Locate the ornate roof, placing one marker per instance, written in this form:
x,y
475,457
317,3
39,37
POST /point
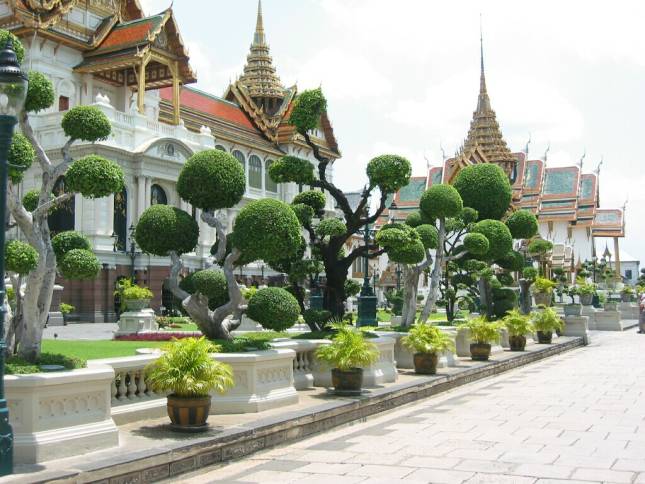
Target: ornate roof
x,y
259,77
484,130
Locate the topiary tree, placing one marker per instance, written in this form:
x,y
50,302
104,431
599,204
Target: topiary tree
x,y
91,176
267,230
485,188
386,175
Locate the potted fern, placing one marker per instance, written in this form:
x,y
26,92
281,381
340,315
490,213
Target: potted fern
x,y
543,291
427,342
482,334
347,354
187,370
518,326
545,321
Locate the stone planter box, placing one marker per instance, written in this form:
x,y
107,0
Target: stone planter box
x,y
62,414
542,298
462,343
403,357
137,304
628,310
577,326
586,299
609,321
132,322
611,306
572,309
383,371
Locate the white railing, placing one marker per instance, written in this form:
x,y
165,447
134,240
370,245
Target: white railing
x,y
304,362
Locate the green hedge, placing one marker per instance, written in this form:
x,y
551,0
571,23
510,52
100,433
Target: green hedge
x,y
274,308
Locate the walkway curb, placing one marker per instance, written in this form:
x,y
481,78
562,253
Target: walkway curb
x,y
164,462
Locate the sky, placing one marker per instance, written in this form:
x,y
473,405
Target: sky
x,y
403,76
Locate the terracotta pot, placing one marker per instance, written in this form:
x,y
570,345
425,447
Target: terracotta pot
x,y
543,298
347,380
188,414
545,337
136,304
480,351
426,363
586,299
572,309
517,343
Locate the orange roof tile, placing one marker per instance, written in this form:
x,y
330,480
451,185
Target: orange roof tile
x,y
128,35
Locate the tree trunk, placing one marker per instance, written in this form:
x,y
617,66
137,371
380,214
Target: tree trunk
x,y
334,295
411,276
485,298
435,277
525,296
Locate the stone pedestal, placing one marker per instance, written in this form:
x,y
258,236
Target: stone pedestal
x,y
609,321
590,312
462,344
132,322
628,310
577,326
55,316
249,324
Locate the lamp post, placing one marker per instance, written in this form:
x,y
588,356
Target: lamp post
x,y
398,277
13,91
366,299
133,252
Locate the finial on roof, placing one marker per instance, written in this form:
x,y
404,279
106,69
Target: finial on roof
x,y
483,103
526,149
258,37
582,159
597,170
546,152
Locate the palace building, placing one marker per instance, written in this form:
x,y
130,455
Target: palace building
x,y
136,69
564,199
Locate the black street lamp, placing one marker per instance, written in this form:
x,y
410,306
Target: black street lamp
x,y
366,299
13,91
398,277
133,252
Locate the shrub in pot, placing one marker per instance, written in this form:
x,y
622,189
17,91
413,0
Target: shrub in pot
x,y
518,326
572,309
134,297
586,291
482,334
543,291
546,320
627,294
347,354
187,371
65,310
427,342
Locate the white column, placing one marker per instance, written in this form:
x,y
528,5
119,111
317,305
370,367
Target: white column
x,y
146,202
141,196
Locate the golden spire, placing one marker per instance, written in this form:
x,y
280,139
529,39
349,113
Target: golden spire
x,y
484,130
259,77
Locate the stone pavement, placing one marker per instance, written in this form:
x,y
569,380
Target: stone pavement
x,y
576,417
81,331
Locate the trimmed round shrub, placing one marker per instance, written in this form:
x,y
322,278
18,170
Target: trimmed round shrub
x,y
63,242
476,243
212,284
21,153
212,179
522,224
429,235
499,238
30,200
40,92
267,229
87,123
539,247
529,273
504,299
414,219
307,110
304,213
94,177
79,264
17,44
389,172
163,228
505,278
331,227
312,198
469,215
441,201
292,169
411,253
20,257
274,308
396,234
513,261
485,187
352,288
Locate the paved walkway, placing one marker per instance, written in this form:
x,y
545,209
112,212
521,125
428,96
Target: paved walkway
x,y
81,331
577,417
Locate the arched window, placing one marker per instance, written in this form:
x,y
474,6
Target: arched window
x,y
121,219
269,184
62,218
255,172
220,147
240,157
158,195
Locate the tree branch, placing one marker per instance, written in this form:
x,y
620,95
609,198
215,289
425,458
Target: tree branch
x,y
67,160
218,221
45,207
173,279
27,130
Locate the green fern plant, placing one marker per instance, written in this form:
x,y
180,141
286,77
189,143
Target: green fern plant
x,y
481,330
517,324
546,320
186,369
349,349
423,338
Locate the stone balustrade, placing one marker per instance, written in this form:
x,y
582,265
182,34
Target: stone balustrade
x,y
303,363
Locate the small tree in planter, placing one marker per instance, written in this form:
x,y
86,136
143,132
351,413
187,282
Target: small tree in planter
x,y
187,370
482,334
136,297
20,259
518,326
540,248
66,310
573,308
266,229
347,354
627,294
546,321
427,342
586,291
543,291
